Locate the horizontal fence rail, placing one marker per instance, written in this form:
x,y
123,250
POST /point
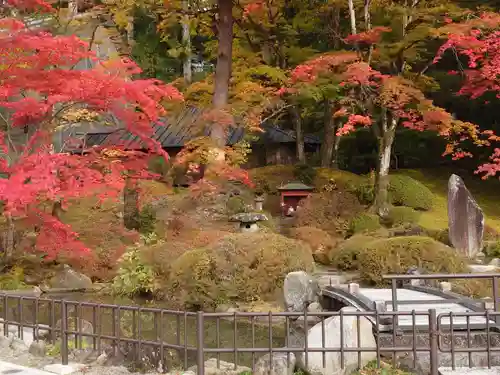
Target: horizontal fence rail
x,y
178,339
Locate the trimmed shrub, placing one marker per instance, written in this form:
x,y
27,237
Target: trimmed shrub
x,y
241,267
304,173
235,205
364,223
401,216
398,254
320,242
492,249
440,235
406,191
330,212
268,179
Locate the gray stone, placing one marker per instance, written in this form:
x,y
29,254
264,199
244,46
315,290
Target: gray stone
x,y
300,290
315,307
465,218
70,368
495,262
224,368
481,268
38,348
275,364
18,346
332,331
5,342
102,359
68,278
78,325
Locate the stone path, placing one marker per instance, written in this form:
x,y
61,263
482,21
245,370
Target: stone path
x,y
7,368
469,371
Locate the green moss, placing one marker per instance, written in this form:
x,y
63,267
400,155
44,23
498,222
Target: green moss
x,y
401,216
13,280
406,191
384,369
364,223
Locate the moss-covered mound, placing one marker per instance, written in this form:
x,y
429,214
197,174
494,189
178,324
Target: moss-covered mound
x,y
363,223
375,257
406,191
401,216
243,267
321,243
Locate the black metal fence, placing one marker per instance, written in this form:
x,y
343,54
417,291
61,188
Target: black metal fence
x,y
179,339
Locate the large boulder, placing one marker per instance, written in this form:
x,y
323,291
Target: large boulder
x,y
240,267
221,368
68,278
465,218
275,364
300,290
332,337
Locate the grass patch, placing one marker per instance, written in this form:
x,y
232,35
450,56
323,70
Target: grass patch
x,y
436,179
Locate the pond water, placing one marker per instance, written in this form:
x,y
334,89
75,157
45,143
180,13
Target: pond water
x,y
149,322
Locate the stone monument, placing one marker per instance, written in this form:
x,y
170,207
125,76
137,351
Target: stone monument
x,y
465,218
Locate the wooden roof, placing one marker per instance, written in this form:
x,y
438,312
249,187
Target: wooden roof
x,y
177,130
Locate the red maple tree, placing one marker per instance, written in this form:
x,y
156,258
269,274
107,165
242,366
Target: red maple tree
x,y
39,87
478,40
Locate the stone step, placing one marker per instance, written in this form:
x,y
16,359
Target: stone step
x,y
469,371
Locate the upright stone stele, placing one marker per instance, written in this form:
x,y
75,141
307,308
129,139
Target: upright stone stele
x,y
465,218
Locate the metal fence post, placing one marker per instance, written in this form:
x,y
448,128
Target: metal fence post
x,y
64,334
433,339
200,343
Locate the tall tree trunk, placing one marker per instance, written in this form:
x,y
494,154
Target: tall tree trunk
x,y
329,139
385,141
299,134
57,210
186,41
352,16
8,239
131,204
130,31
336,144
223,68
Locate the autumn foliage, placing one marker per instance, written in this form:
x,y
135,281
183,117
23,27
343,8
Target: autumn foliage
x,y
39,86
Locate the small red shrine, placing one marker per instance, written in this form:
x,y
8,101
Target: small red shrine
x,y
291,194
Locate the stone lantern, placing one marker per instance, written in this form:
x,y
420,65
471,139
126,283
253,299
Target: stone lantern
x,y
259,202
248,221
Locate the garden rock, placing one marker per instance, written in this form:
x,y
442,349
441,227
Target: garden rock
x,y
18,346
68,278
224,368
495,262
465,218
332,340
38,348
275,364
79,325
300,290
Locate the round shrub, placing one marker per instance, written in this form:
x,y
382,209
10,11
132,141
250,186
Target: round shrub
x,y
492,249
406,191
320,242
398,254
401,216
364,223
240,267
345,256
304,173
235,205
330,212
440,235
